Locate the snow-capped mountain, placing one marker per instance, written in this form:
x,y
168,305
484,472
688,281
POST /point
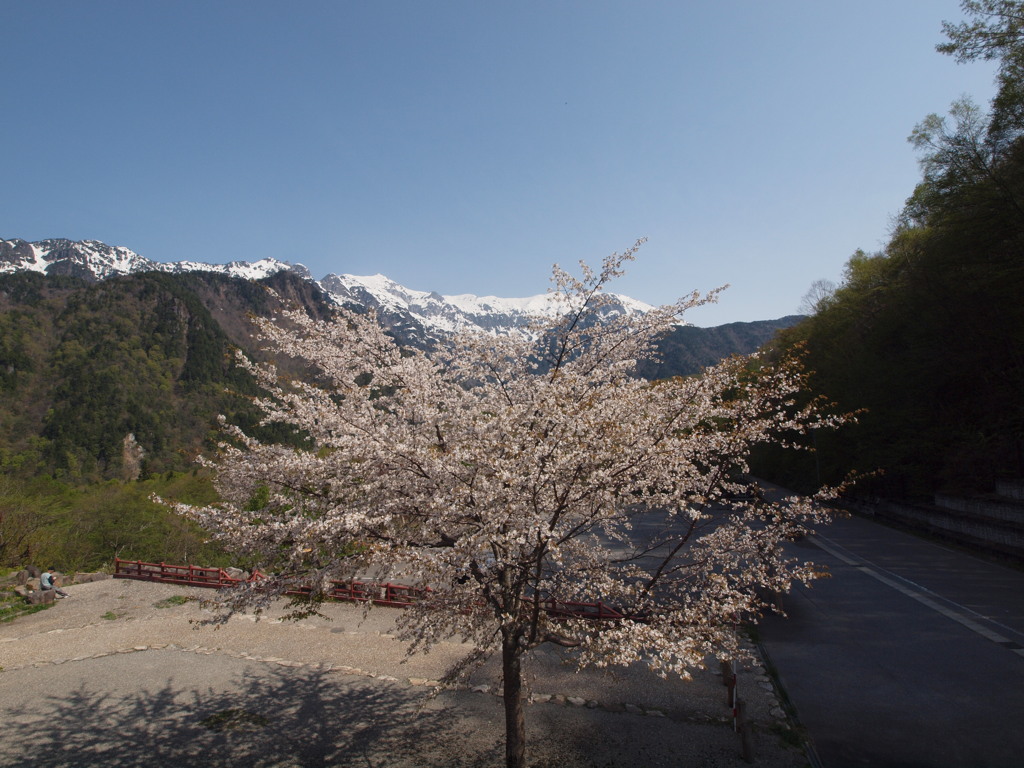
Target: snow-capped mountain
x,y
89,260
453,313
93,260
404,309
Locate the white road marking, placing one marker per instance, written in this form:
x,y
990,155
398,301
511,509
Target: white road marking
x,y
960,617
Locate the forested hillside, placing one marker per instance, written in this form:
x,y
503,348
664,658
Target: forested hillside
x,y
688,349
108,392
927,334
122,379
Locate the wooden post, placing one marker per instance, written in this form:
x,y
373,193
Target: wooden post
x,y
729,681
746,745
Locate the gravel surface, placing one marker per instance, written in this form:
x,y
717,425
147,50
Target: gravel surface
x,y
116,676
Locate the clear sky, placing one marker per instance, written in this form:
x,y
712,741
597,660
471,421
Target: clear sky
x,y
465,147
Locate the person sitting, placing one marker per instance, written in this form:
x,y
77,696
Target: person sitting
x,y
46,583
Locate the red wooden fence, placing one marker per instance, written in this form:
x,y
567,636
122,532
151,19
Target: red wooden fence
x,y
192,575
395,595
569,610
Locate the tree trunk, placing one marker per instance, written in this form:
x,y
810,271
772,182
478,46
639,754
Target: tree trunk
x,y
512,695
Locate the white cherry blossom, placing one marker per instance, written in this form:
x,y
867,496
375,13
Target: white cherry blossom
x,y
503,473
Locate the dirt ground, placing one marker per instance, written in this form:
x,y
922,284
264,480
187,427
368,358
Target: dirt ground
x,y
118,674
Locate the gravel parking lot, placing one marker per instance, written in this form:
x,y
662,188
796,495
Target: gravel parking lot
x,y
118,675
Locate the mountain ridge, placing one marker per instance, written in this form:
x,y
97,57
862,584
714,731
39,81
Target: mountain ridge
x,y
427,312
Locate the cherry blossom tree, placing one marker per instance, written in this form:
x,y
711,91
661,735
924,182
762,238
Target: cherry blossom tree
x,y
505,473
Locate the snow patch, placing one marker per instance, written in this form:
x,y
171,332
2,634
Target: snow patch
x,y
459,312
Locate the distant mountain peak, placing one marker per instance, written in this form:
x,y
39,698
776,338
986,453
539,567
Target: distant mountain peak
x,y
459,312
424,312
425,316
94,260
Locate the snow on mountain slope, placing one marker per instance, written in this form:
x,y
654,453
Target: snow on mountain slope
x,y
86,258
250,270
398,306
91,259
454,313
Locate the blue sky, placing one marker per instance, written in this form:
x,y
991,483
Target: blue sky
x,y
465,147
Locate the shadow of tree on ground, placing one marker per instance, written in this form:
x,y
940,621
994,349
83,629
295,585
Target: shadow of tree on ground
x,y
293,717
179,710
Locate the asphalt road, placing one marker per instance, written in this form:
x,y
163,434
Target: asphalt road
x,y
911,654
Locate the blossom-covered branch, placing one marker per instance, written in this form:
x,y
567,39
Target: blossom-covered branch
x,y
503,472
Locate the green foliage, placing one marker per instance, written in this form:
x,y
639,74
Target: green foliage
x,y
29,513
260,499
172,601
687,350
995,33
926,335
85,527
125,378
163,335
13,605
108,392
